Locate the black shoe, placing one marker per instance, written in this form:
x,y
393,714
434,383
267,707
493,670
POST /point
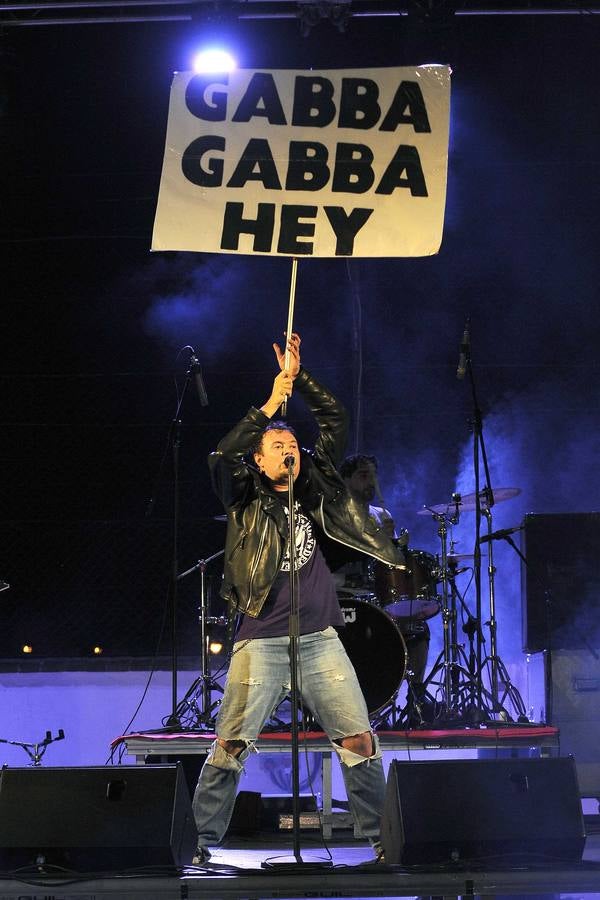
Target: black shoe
x,y
201,856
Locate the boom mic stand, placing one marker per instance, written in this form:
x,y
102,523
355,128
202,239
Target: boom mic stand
x,y
498,671
482,495
478,451
174,441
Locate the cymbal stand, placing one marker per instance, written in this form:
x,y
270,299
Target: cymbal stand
x,y
448,610
198,698
471,627
449,661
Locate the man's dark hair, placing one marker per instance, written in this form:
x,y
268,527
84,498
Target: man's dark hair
x,y
351,463
275,425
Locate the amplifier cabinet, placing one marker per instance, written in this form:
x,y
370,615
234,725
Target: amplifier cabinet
x,y
560,583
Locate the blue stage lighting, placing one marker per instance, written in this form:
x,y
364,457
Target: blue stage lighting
x,y
214,60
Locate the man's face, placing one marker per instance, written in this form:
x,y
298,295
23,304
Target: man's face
x,y
276,445
362,482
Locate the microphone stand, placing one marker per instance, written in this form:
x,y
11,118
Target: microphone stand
x,y
294,629
174,439
478,449
294,633
486,494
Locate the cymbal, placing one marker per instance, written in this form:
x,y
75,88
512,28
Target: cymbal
x,y
220,518
467,502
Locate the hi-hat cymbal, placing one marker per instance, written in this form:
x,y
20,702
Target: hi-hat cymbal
x,y
467,502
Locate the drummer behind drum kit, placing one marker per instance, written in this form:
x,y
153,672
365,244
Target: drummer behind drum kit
x,y
385,607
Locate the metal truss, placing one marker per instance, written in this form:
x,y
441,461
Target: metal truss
x,y
21,13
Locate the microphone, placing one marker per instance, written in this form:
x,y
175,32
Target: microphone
x,y
463,355
289,461
196,371
501,533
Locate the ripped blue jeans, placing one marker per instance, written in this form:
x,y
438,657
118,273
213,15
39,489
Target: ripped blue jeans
x,y
257,681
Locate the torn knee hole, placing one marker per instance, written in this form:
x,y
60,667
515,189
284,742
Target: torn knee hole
x,y
363,744
234,748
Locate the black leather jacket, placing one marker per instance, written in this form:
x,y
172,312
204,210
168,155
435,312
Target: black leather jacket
x,y
257,526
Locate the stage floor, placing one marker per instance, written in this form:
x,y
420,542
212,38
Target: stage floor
x,y
235,872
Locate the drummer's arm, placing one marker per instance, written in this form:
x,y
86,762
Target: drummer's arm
x,y
384,520
387,524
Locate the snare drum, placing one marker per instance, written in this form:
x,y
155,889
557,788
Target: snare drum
x,y
376,649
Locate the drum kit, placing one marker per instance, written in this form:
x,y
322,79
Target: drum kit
x,y
387,612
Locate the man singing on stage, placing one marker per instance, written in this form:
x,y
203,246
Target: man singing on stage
x,y
249,472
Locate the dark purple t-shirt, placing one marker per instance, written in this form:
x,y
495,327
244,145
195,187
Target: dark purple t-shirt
x,y
317,600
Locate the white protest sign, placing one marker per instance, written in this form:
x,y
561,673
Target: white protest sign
x,y
296,163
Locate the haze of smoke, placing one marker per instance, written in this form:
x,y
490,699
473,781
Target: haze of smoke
x,y
557,469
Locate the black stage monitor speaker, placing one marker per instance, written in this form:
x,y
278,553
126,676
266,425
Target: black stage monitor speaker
x,y
560,584
501,811
95,819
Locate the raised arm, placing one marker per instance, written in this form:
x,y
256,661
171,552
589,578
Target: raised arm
x,y
229,472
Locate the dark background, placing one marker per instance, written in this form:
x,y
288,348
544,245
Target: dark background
x,y
92,322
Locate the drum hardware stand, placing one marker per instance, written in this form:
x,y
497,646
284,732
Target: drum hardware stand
x,y
413,703
452,660
36,751
391,715
395,717
470,628
198,698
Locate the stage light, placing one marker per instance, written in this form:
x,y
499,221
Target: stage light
x,y
215,647
27,648
97,650
312,12
214,59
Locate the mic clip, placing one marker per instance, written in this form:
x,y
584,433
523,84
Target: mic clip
x,y
456,500
195,369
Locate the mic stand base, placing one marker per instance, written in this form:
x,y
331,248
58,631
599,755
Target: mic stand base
x,y
291,868
510,693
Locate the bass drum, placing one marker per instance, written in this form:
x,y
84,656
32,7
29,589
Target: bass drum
x,y
376,650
